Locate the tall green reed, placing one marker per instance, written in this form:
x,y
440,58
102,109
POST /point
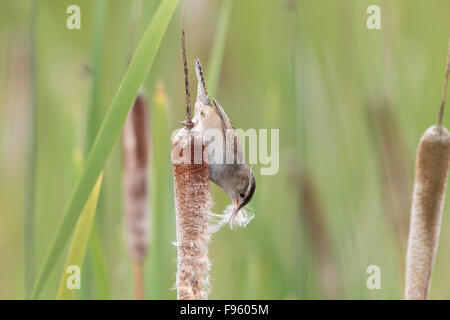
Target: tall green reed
x,y
77,250
31,174
162,255
218,50
95,258
108,134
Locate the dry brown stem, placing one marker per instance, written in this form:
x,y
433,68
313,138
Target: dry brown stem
x,y
138,274
444,89
188,121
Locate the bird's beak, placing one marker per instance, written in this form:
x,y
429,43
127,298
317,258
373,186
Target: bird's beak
x,y
236,209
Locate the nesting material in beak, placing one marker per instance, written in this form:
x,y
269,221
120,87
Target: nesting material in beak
x,y
232,216
236,208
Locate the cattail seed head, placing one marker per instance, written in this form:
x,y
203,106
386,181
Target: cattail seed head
x,y
135,162
192,204
432,163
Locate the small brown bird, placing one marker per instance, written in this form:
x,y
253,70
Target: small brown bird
x,y
226,158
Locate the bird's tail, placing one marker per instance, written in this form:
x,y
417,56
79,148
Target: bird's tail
x,y
202,94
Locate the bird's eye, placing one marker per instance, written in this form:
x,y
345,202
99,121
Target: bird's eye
x,y
242,195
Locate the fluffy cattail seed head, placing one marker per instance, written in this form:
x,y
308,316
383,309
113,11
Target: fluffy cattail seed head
x,y
135,162
192,204
432,164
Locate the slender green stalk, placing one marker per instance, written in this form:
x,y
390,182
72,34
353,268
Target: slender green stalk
x,y
162,252
31,175
108,134
80,239
96,255
94,116
215,62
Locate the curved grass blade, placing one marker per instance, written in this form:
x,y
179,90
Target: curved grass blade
x,y
108,134
215,62
79,242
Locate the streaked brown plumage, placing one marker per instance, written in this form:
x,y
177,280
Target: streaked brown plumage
x,y
226,157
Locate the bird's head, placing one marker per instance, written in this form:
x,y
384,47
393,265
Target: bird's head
x,y
244,192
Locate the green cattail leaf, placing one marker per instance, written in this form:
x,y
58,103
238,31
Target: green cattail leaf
x,y
93,114
108,134
31,174
162,253
79,242
215,62
95,267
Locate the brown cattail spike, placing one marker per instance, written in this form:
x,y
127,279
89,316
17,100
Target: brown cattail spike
x,y
192,204
444,89
135,159
430,182
188,123
432,164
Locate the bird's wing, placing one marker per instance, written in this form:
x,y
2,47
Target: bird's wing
x,y
233,146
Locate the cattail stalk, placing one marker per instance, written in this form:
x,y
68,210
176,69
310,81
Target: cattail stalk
x,y
192,201
192,205
432,163
188,122
135,161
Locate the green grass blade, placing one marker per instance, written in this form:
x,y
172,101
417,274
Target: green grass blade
x,y
215,62
94,111
108,134
31,185
162,254
97,265
79,242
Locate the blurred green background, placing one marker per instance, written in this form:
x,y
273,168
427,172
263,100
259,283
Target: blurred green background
x,y
350,103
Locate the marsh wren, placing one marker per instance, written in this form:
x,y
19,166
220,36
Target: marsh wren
x,y
227,166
